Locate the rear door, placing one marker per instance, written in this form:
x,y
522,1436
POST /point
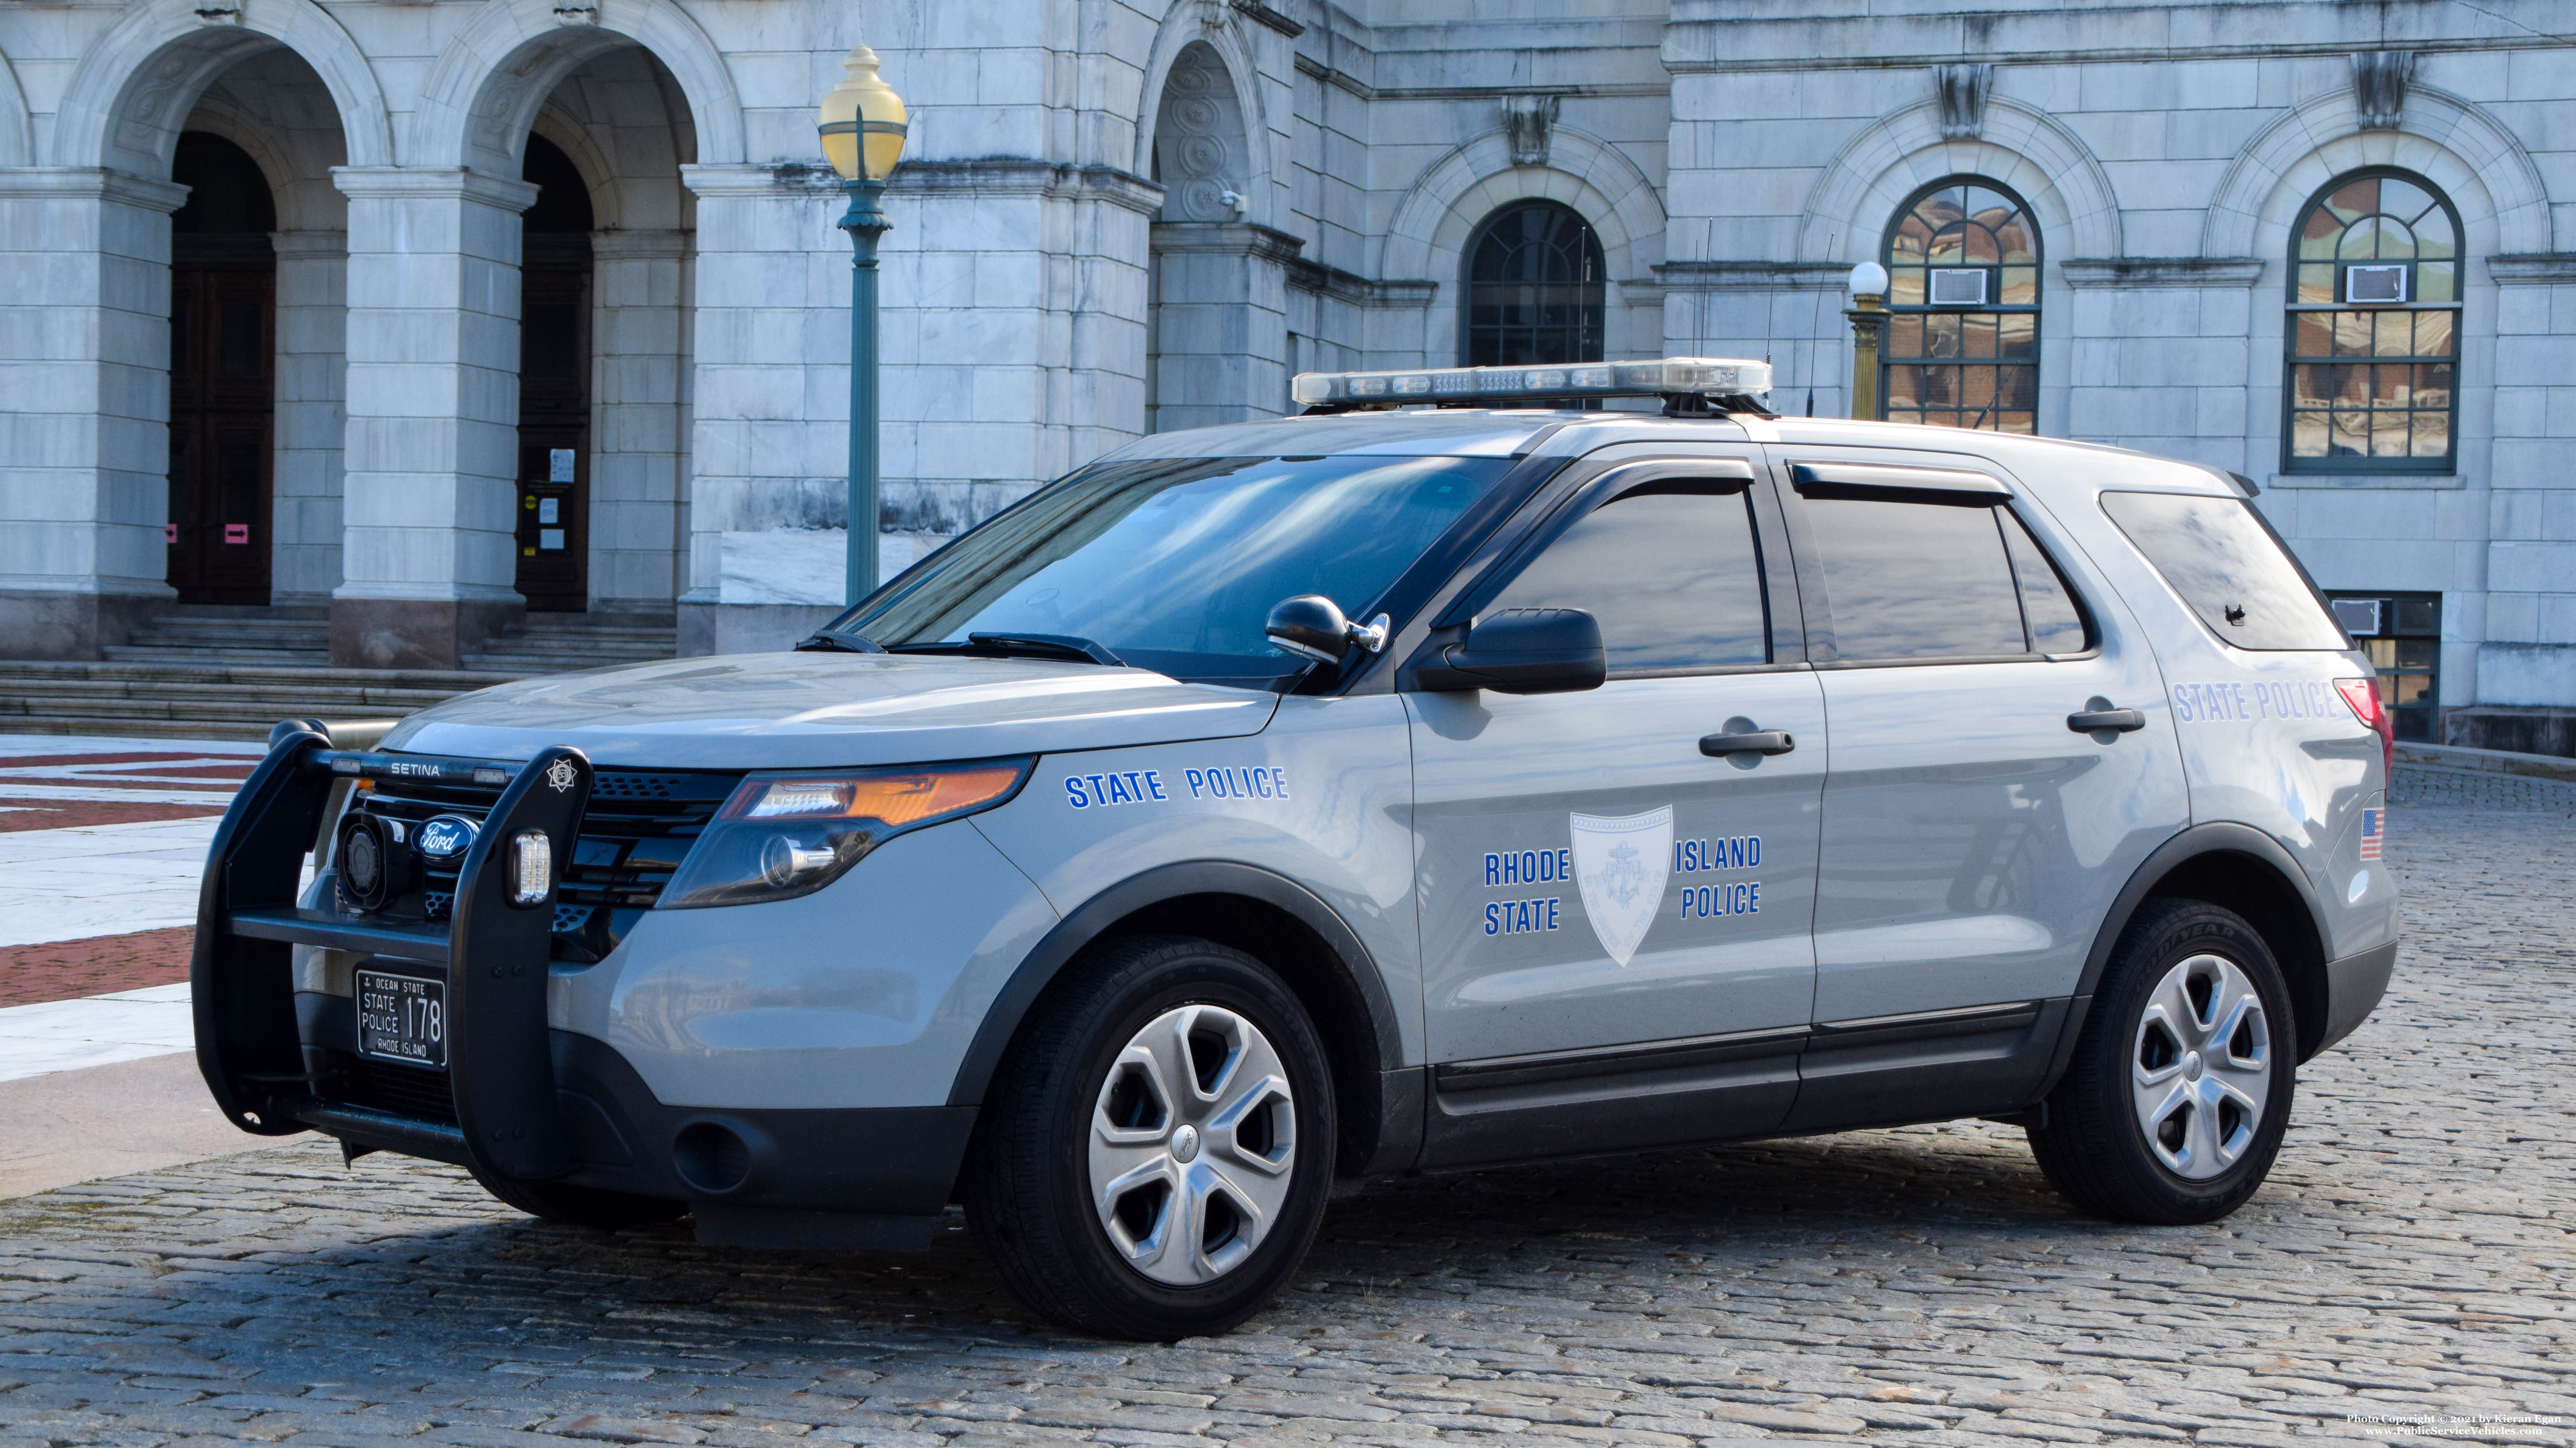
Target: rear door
x,y
1973,837
1615,923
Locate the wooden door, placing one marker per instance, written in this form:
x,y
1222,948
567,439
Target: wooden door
x,y
554,422
223,346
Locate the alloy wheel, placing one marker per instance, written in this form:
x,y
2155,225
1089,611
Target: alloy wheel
x,y
2201,1066
1193,1145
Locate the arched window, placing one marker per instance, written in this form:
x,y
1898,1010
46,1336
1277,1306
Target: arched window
x,y
1534,288
2373,330
1962,349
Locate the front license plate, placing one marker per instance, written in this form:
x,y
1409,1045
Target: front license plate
x,y
402,1018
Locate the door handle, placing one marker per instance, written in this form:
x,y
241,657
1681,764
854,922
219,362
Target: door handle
x,y
2085,721
1759,741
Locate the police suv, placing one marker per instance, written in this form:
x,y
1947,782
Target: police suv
x,y
1460,774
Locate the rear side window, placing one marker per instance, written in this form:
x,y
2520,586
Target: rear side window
x,y
2047,604
1673,576
2226,564
1916,580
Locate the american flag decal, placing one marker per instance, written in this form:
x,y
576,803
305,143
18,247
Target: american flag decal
x,y
2374,826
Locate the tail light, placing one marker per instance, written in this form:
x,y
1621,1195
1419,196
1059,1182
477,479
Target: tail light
x,y
2363,696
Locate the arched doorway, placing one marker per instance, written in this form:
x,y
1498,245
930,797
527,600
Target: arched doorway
x,y
223,347
554,384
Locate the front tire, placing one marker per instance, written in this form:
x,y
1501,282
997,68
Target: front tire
x,y
2175,1103
1156,1151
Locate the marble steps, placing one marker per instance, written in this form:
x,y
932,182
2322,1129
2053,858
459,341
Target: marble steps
x,y
210,699
235,634
549,643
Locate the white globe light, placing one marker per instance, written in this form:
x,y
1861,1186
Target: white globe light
x,y
1869,279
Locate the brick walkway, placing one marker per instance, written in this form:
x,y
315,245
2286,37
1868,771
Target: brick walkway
x,y
2414,1255
69,968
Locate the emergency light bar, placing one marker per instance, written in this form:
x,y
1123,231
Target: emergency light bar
x,y
1667,378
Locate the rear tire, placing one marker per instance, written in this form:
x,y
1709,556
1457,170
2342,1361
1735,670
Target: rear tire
x,y
572,1206
2174,1105
1155,1153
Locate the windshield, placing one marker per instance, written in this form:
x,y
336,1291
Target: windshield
x,y
1173,564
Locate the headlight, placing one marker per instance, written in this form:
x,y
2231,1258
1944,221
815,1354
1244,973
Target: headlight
x,y
785,835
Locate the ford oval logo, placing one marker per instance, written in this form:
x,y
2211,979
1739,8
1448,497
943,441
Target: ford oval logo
x,y
446,837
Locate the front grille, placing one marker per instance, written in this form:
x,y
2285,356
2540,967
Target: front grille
x,y
639,826
402,1090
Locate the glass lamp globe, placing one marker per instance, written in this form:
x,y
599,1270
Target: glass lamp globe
x,y
1869,279
862,121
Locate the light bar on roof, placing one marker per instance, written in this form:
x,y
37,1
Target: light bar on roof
x,y
1689,376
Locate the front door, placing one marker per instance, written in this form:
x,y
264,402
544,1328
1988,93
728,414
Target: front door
x,y
1615,922
1973,840
223,291
554,422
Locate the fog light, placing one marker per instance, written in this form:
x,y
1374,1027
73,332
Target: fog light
x,y
532,868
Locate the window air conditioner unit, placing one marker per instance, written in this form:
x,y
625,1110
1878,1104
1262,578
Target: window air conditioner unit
x,y
2359,616
2367,284
1962,286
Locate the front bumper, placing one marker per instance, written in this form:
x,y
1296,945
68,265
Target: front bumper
x,y
518,1101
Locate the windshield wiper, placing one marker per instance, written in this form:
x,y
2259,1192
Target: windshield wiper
x,y
829,643
1028,645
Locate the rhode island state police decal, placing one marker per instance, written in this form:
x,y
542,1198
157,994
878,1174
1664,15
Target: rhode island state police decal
x,y
1621,864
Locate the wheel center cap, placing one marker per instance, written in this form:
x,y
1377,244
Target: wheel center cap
x,y
1185,1141
2190,1069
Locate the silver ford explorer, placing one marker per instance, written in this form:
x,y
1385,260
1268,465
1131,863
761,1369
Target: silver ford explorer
x,y
1446,778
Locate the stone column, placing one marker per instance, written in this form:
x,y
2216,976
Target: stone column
x,y
640,366
84,430
312,414
768,327
1220,322
428,556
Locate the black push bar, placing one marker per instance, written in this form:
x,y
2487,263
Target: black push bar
x,y
493,950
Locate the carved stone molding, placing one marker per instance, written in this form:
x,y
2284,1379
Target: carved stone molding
x,y
1527,120
1359,291
1199,145
2556,267
2379,80
1962,89
2161,271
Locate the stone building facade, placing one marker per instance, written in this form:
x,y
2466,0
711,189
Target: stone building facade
x,y
542,303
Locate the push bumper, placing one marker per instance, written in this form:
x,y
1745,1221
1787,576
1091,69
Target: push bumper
x,y
518,1101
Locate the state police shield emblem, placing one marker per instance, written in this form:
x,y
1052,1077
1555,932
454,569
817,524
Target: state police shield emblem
x,y
1622,865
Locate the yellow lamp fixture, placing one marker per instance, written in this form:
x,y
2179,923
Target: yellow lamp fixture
x,y
862,121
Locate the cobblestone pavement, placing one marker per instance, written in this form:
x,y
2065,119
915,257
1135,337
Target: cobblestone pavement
x,y
2409,1272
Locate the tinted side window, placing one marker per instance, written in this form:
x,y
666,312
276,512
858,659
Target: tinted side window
x,y
2222,560
1675,579
2047,605
1916,580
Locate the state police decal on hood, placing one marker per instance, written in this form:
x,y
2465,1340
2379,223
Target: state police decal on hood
x,y
1621,865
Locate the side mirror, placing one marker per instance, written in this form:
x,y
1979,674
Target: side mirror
x,y
1520,651
1312,626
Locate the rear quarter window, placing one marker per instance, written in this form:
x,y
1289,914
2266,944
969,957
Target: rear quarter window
x,y
2219,555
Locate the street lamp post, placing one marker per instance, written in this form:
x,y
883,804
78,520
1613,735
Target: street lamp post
x,y
1868,313
862,128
